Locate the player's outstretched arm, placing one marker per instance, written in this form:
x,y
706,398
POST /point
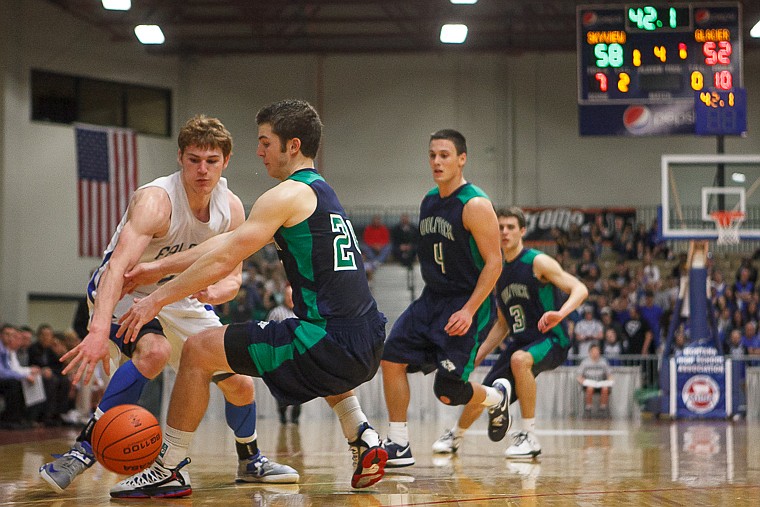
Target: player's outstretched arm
x,y
148,214
479,218
272,210
548,269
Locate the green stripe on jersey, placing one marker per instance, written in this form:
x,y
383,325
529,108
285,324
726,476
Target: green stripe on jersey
x,y
300,244
306,176
469,192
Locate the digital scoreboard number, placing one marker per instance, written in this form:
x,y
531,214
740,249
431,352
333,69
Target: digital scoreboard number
x,y
642,67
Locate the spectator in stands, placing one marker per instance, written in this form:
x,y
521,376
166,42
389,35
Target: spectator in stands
x,y
404,238
735,346
587,264
650,272
679,341
587,330
46,354
652,314
376,243
637,335
746,262
619,278
717,283
15,415
656,245
595,376
609,321
723,325
743,288
612,348
574,241
279,313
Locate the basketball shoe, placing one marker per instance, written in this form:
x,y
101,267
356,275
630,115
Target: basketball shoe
x,y
260,469
448,443
525,445
156,481
369,457
398,455
66,467
499,420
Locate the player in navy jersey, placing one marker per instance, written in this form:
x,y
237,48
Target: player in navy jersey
x,y
334,344
534,295
442,330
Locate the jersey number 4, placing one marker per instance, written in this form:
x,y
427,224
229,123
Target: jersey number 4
x,y
343,255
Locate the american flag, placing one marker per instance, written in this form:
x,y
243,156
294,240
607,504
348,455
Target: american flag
x,y
107,175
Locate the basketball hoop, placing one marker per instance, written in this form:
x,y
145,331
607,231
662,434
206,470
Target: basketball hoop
x,y
728,222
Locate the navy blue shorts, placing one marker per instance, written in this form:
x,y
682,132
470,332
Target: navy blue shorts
x,y
300,361
152,327
418,338
547,352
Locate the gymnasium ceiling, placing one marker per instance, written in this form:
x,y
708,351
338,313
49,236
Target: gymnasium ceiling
x,y
226,27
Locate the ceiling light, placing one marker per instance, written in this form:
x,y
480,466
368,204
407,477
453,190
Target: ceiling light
x,y
755,32
453,33
117,5
464,2
149,34
739,177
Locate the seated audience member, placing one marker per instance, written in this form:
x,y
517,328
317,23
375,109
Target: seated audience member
x,y
612,348
404,238
595,375
587,330
15,415
376,243
46,353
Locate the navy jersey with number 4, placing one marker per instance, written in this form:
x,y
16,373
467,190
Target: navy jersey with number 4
x,y
523,299
449,257
322,260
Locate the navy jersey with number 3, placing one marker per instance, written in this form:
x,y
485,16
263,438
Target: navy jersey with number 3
x,y
523,299
449,257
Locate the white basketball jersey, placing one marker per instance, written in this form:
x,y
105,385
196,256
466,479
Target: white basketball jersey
x,y
185,231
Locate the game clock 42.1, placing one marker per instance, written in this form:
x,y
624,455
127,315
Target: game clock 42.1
x,y
657,53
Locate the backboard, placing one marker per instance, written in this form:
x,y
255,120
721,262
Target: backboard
x,y
696,186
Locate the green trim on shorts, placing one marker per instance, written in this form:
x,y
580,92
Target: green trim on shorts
x,y
482,318
541,349
268,358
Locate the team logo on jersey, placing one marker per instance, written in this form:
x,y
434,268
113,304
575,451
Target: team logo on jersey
x,y
700,394
448,365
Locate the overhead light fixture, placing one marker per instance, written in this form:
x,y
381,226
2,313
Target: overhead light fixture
x,y
149,34
453,33
739,177
755,32
464,2
117,5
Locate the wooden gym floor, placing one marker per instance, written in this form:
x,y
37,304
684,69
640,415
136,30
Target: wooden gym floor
x,y
584,463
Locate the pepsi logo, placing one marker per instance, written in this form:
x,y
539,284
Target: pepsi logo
x,y
702,16
700,394
637,118
589,18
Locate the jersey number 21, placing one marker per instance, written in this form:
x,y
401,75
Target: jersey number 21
x,y
344,259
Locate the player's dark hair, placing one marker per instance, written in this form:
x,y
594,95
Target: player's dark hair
x,y
205,132
452,135
512,211
292,119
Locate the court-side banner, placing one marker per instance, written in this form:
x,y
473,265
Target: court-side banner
x,y
701,375
541,220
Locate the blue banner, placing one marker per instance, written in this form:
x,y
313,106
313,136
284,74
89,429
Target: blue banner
x,y
700,390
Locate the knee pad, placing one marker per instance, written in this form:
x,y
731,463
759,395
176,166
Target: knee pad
x,y
449,386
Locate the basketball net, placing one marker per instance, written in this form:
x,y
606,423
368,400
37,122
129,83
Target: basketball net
x,y
727,223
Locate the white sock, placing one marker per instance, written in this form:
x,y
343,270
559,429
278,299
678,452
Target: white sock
x,y
458,432
350,415
529,424
176,444
493,396
398,433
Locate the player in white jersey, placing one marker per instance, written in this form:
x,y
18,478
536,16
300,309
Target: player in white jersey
x,y
169,215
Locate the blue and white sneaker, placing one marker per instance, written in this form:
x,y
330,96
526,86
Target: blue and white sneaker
x,y
499,420
398,456
66,467
260,469
156,481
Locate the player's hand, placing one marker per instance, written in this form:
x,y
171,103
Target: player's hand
x,y
459,323
548,321
145,273
142,311
87,354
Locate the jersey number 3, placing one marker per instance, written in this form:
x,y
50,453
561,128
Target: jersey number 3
x,y
342,253
518,318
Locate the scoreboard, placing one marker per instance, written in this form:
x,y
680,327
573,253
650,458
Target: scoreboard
x,y
647,69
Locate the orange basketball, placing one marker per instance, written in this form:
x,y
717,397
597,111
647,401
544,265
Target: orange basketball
x,y
126,439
